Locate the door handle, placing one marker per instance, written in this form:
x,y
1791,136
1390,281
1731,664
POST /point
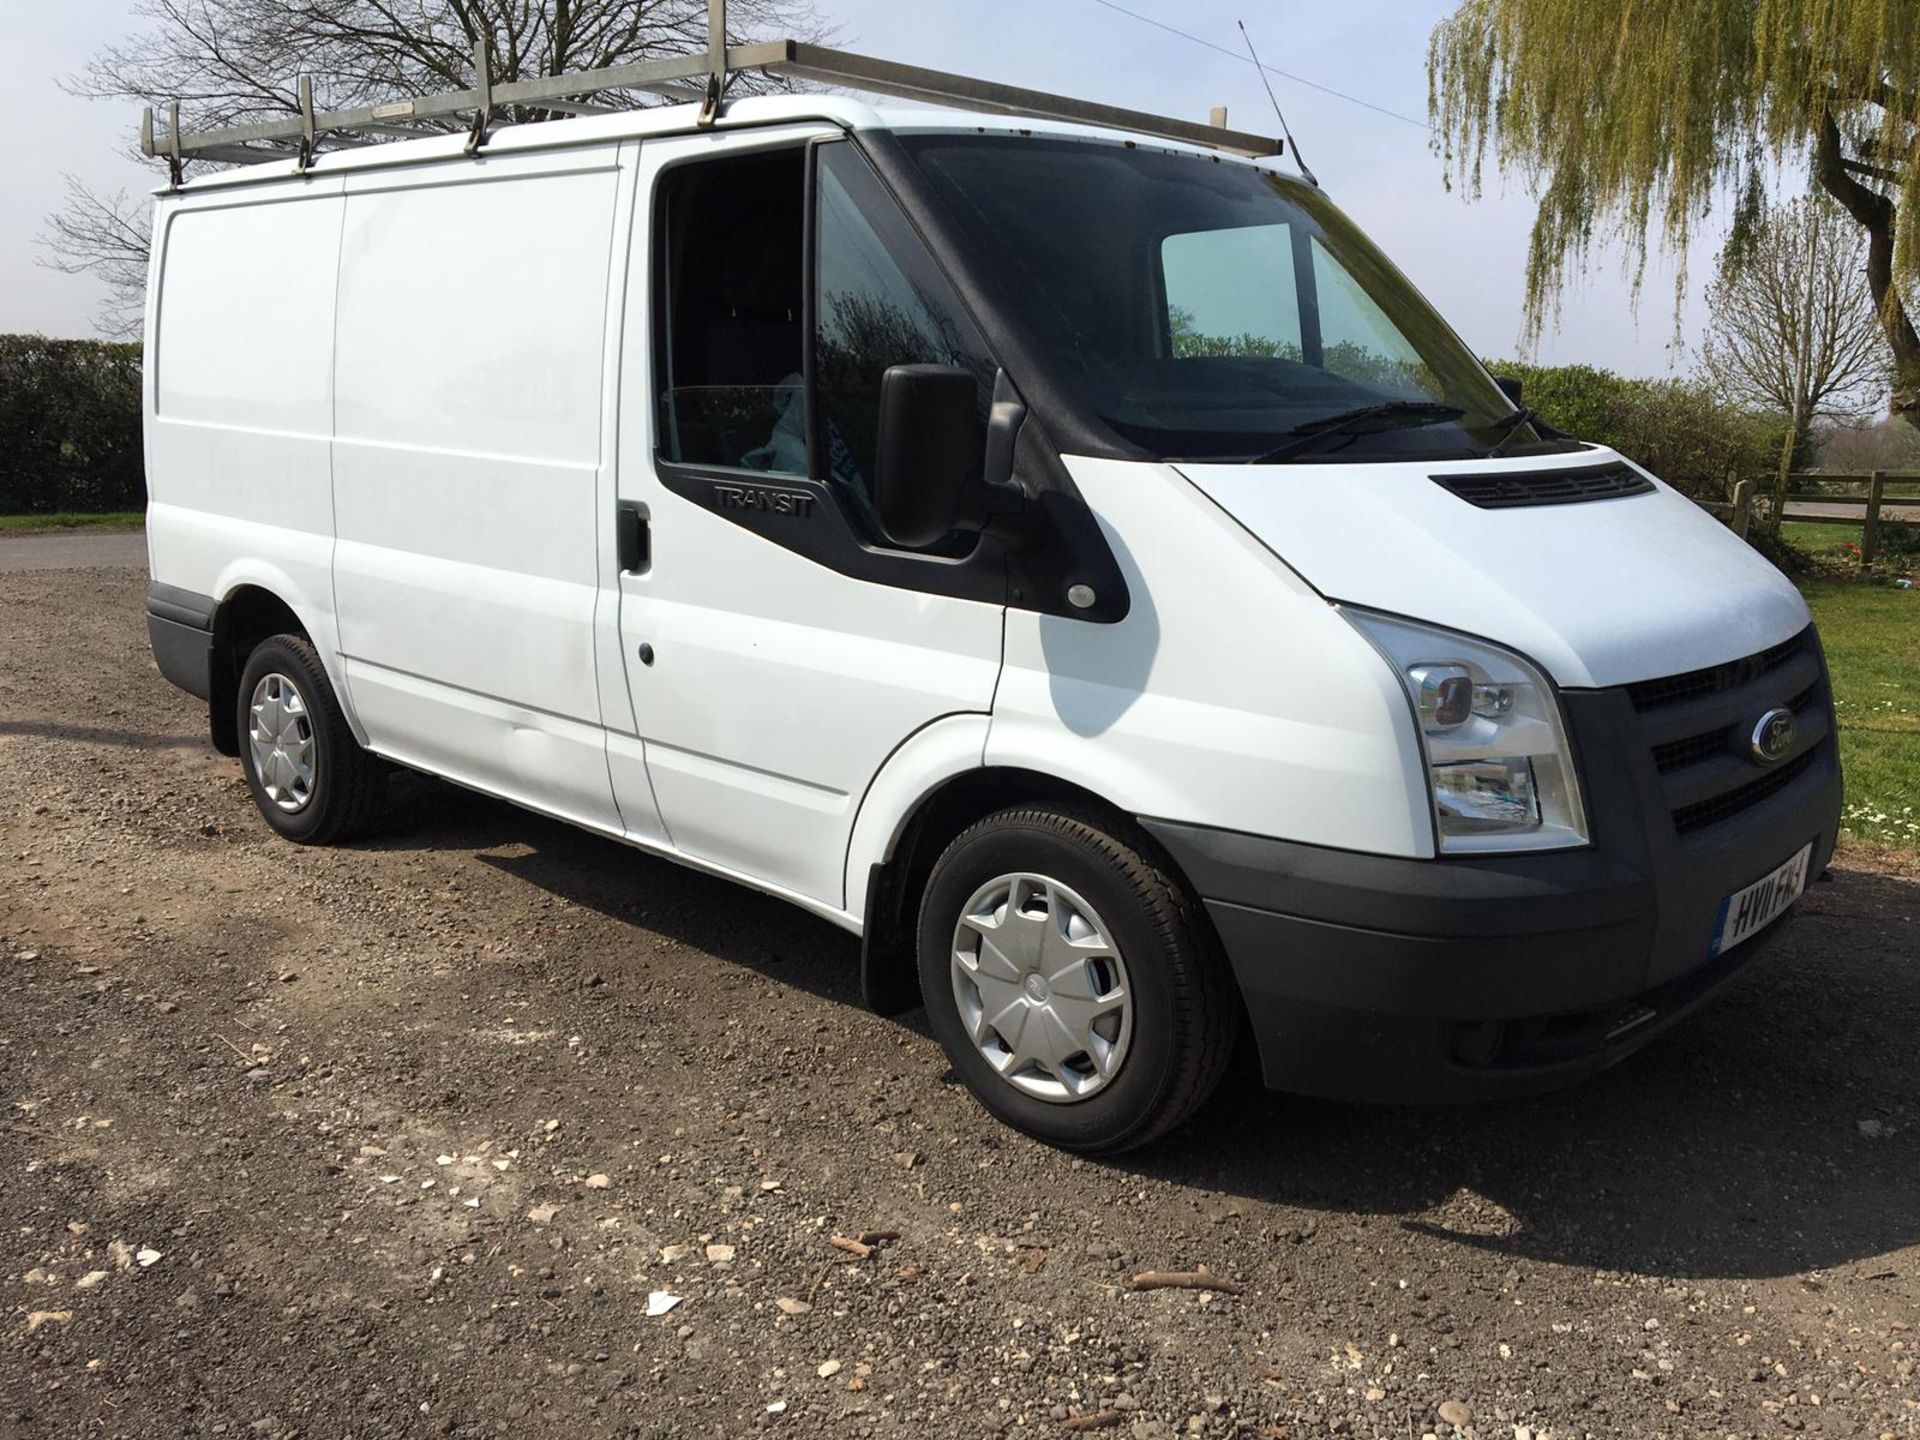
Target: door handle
x,y
635,538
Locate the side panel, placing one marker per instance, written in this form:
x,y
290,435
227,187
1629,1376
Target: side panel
x,y
467,457
1231,695
240,395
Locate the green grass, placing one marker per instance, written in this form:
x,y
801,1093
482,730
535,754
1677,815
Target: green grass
x,y
1872,637
1826,547
1823,540
70,520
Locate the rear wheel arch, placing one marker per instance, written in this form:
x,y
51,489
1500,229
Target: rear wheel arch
x,y
247,615
889,975
309,776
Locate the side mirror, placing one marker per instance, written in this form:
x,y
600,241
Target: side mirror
x,y
928,465
1509,387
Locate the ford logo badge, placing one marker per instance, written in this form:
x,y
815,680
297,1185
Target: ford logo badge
x,y
1773,736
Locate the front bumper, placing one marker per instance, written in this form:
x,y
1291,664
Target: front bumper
x,y
1376,978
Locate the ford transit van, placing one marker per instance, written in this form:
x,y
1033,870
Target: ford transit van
x,y
1073,560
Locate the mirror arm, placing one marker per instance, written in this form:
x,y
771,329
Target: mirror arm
x,y
1004,493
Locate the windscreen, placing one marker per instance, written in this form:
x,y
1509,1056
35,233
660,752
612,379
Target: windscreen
x,y
1203,309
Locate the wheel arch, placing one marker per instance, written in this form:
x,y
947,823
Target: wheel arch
x,y
248,612
896,879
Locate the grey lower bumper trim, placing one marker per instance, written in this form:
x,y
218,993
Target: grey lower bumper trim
x,y
183,607
180,629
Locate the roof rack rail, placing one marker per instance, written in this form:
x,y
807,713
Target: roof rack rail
x,y
698,76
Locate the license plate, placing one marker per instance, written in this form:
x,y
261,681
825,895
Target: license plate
x,y
1746,911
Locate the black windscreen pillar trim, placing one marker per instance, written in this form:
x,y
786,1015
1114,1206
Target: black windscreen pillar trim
x,y
810,306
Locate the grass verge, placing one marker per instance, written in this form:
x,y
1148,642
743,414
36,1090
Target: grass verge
x,y
70,520
1834,550
1872,636
1826,541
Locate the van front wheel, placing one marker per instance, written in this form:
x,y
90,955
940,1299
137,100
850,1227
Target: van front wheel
x,y
310,778
1073,983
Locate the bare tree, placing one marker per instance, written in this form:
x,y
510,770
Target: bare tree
x,y
1884,444
1793,326
233,61
105,235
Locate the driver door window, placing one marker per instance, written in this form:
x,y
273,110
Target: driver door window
x,y
730,333
738,388
728,325
881,302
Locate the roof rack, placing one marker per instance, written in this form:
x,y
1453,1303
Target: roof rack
x,y
697,76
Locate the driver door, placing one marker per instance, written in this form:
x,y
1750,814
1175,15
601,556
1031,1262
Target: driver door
x,y
776,648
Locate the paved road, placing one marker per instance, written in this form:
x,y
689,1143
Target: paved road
x,y
75,550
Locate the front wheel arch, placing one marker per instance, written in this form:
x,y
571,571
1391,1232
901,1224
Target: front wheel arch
x,y
889,972
1024,1020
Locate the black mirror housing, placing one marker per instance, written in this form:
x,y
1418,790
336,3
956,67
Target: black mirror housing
x,y
929,463
1509,387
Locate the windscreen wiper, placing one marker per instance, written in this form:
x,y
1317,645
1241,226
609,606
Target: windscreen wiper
x,y
1509,426
1390,415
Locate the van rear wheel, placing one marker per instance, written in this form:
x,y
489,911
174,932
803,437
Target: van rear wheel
x,y
1072,982
309,777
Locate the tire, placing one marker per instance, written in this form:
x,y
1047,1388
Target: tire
x,y
320,787
1084,903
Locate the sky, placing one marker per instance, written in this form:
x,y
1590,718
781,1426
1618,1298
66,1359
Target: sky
x,y
1468,257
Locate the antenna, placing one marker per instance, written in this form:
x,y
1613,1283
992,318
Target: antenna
x,y
1292,144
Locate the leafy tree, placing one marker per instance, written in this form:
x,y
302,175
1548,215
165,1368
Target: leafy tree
x,y
1641,113
229,62
1793,325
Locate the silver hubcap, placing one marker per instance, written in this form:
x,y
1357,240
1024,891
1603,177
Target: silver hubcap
x,y
280,733
1041,988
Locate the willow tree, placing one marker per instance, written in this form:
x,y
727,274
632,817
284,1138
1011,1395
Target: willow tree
x,y
1633,119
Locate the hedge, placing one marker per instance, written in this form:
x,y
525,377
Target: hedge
x,y
1679,429
69,426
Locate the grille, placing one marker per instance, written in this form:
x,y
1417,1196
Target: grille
x,y
1546,487
1697,726
1715,679
1699,816
1678,754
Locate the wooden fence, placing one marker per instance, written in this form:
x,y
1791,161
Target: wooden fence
x,y
1879,491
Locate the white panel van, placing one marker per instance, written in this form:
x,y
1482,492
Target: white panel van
x,y
1076,562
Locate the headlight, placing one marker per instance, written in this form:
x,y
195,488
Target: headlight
x,y
1499,769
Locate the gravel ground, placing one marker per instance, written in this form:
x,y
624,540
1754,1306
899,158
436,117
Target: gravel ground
x,y
401,1139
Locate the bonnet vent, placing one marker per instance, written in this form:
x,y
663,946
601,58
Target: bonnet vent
x,y
1514,489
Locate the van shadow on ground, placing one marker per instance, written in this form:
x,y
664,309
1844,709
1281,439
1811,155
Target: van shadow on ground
x,y
1732,1148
